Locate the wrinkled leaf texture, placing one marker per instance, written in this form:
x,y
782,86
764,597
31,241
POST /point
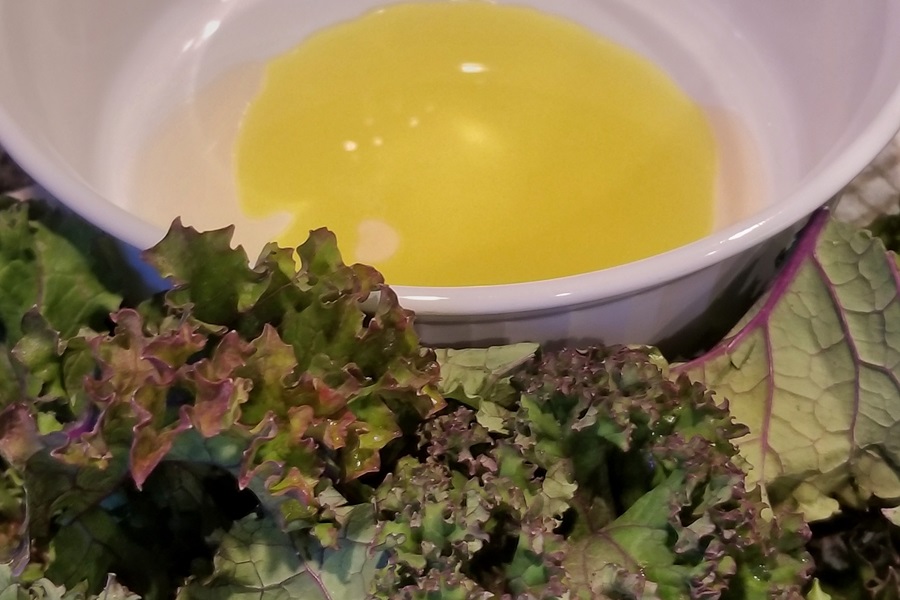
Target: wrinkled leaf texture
x,y
813,371
272,373
257,560
283,364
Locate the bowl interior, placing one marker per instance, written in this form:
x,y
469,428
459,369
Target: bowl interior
x,y
811,93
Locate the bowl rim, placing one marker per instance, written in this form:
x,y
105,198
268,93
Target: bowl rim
x,y
595,287
606,285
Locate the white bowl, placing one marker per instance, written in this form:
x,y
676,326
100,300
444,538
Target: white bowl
x,y
814,87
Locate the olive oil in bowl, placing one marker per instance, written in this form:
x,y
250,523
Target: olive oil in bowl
x,y
469,143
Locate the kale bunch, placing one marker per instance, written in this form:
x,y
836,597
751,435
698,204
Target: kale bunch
x,y
580,474
277,431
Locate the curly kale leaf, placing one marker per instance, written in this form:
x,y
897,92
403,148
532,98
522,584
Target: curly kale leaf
x,y
602,478
282,363
60,274
279,381
598,473
449,535
696,535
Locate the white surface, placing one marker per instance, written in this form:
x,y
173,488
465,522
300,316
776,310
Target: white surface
x,y
83,84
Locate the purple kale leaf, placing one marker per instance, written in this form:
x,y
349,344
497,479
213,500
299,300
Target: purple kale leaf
x,y
812,370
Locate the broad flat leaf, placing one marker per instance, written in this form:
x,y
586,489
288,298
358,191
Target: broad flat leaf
x,y
813,372
672,544
66,268
62,491
256,560
471,374
638,541
89,547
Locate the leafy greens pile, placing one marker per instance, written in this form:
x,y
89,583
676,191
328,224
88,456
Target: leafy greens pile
x,y
252,432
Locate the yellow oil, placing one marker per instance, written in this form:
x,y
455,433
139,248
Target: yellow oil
x,y
468,143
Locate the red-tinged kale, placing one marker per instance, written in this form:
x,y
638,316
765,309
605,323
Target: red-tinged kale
x,y
84,522
660,500
295,417
451,535
602,408
814,371
254,433
58,275
603,478
271,374
699,534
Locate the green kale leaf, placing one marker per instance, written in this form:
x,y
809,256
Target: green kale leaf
x,y
602,478
258,560
814,372
163,416
252,432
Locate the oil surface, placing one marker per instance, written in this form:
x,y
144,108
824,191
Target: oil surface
x,y
467,143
